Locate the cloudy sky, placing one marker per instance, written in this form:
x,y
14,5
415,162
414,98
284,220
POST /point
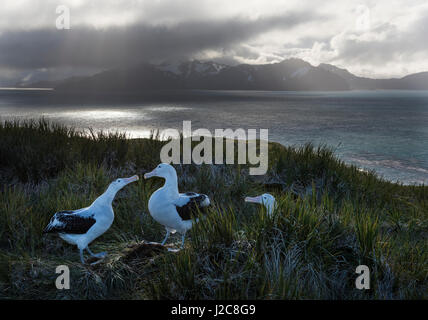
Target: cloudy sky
x,y
382,38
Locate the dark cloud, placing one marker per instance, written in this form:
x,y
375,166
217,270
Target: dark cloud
x,y
114,46
389,44
129,32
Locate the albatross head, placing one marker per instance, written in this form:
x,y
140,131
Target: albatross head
x,y
265,199
113,188
163,170
118,184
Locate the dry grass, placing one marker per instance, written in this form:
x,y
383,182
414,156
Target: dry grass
x,y
331,218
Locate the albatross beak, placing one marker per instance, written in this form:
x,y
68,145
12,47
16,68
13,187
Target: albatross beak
x,y
254,199
131,179
150,174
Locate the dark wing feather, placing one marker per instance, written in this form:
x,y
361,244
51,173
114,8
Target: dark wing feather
x,y
69,222
190,209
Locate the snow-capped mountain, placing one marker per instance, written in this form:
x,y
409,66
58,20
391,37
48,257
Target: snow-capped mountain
x,y
290,74
192,68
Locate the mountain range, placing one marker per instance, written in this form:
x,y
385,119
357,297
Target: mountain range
x,y
291,74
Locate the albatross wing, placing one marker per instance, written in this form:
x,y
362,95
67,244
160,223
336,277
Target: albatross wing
x,y
188,203
71,222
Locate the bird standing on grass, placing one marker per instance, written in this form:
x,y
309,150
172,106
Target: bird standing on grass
x,y
265,199
80,227
172,209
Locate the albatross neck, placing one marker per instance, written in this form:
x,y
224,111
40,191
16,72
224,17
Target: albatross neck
x,y
171,185
107,197
270,206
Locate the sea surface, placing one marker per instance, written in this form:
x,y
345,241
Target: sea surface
x,y
385,131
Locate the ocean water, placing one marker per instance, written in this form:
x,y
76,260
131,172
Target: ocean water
x,y
382,130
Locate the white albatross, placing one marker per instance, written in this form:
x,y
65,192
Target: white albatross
x,y
81,227
172,209
265,199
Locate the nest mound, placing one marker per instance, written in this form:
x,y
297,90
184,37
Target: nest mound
x,y
143,251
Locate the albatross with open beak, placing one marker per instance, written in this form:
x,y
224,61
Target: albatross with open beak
x,y
172,209
81,227
265,199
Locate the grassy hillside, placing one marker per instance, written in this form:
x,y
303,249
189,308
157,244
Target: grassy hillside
x,y
331,218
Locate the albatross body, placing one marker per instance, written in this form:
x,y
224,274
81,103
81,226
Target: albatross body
x,y
172,209
81,227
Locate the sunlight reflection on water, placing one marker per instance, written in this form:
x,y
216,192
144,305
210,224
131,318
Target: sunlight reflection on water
x,y
383,131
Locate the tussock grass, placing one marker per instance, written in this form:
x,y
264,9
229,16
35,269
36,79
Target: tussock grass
x,y
331,217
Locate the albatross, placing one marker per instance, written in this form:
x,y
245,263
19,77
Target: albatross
x,y
81,227
266,199
172,209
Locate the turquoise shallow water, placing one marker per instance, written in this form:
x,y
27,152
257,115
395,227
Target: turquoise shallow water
x,y
382,130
